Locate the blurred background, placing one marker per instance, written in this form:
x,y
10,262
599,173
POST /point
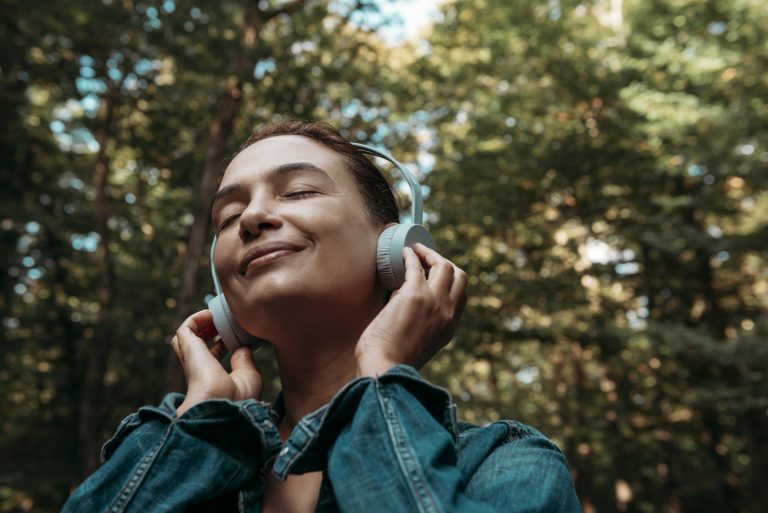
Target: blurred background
x,y
599,167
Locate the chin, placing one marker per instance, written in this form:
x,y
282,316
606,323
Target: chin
x,y
275,305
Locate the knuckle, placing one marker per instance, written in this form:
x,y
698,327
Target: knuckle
x,y
417,297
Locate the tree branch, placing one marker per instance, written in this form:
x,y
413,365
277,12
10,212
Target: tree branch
x,y
285,9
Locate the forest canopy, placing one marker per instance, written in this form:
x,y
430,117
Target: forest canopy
x,y
599,168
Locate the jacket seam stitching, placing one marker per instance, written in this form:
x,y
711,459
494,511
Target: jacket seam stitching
x,y
129,490
517,431
409,464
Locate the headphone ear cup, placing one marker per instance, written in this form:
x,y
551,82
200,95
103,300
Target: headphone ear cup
x,y
231,333
389,251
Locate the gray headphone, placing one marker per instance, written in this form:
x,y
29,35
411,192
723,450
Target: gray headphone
x,y
389,260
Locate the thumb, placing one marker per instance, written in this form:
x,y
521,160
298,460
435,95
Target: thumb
x,y
414,271
242,360
244,374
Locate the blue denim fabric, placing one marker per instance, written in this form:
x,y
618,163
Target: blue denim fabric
x,y
390,444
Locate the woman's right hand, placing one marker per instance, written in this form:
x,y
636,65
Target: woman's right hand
x,y
206,376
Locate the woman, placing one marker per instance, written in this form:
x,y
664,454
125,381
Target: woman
x,y
297,218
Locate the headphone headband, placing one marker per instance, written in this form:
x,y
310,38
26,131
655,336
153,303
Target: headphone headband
x,y
216,285
417,209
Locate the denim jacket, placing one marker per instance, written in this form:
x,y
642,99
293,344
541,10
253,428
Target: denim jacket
x,y
390,444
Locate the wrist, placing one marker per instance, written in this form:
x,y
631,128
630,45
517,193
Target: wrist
x,y
184,406
189,401
374,366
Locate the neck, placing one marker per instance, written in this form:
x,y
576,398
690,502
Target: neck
x,y
316,362
309,387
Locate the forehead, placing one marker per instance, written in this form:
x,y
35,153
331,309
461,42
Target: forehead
x,y
261,157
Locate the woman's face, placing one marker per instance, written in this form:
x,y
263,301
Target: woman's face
x,y
293,235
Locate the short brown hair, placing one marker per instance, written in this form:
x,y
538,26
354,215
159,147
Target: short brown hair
x,y
378,196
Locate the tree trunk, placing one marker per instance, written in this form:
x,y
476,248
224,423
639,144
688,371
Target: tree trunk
x,y
623,494
582,463
89,428
73,383
567,397
66,332
716,318
754,430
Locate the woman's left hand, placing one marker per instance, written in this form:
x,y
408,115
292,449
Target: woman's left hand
x,y
420,317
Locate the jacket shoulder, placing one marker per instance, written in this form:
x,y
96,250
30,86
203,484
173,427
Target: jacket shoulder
x,y
478,443
500,431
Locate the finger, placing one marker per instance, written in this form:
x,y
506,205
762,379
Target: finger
x,y
434,259
461,302
218,349
198,325
459,286
244,373
441,270
242,359
430,256
414,272
191,348
441,276
199,322
175,346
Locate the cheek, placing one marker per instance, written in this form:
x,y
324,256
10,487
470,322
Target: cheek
x,y
226,267
351,254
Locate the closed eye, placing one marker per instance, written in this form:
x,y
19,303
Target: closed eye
x,y
299,194
226,222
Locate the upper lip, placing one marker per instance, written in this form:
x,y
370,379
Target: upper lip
x,y
264,249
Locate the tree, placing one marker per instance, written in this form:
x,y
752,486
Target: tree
x,y
588,157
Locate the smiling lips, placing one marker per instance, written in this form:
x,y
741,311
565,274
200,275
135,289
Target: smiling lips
x,y
266,253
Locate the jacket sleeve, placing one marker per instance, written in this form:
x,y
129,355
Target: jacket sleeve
x,y
397,447
157,462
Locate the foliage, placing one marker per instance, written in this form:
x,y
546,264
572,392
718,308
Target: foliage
x,y
599,169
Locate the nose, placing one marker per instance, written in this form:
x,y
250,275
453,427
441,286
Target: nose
x,y
257,218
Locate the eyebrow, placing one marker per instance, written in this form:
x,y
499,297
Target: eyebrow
x,y
279,171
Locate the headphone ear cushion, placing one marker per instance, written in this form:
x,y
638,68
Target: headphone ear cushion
x,y
389,251
231,333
